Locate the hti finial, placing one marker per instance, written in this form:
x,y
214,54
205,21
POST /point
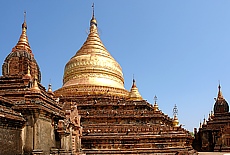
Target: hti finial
x,y
155,99
219,96
24,16
175,119
155,106
49,81
50,88
175,111
93,20
219,85
134,82
24,26
93,10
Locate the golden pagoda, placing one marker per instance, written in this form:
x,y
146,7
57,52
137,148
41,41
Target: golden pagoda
x,y
114,120
92,70
91,114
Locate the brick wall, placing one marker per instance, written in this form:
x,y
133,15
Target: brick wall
x,y
10,141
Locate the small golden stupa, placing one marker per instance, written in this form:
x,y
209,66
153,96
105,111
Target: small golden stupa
x,y
175,119
155,106
134,93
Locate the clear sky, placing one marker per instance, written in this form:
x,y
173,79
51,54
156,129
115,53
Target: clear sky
x,y
177,50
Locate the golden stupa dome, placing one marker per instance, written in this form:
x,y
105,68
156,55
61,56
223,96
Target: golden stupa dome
x,y
92,69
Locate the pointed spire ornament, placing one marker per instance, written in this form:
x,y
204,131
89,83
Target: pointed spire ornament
x,y
175,119
134,83
93,10
209,117
134,93
23,43
49,89
28,75
35,84
212,114
204,122
155,106
175,110
28,70
219,96
93,21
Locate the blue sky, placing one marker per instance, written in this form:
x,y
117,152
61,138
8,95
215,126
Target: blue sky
x,y
177,50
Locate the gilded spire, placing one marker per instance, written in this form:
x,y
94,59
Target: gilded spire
x,y
134,93
27,77
209,117
35,84
204,122
49,89
220,96
28,72
23,43
175,119
212,114
93,21
134,83
155,107
93,10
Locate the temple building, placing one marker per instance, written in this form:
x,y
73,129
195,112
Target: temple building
x,y
115,120
32,121
92,113
214,133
